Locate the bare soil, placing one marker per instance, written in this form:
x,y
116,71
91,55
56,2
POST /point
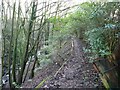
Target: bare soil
x,y
73,72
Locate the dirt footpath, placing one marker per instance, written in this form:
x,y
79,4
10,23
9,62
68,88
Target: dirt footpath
x,y
75,72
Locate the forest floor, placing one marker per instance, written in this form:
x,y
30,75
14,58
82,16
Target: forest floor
x,y
74,72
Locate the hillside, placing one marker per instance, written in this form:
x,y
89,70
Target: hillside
x,y
73,72
53,44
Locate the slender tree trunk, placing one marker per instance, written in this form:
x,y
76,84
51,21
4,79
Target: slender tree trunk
x,y
33,15
32,71
0,57
10,49
0,45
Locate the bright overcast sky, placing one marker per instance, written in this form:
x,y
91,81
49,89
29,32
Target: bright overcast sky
x,y
70,1
26,3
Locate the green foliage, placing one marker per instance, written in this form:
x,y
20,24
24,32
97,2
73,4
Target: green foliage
x,y
93,22
44,59
102,37
99,25
97,41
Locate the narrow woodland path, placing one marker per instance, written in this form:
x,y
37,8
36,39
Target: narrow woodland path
x,y
76,72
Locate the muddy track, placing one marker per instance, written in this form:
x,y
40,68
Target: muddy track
x,y
76,72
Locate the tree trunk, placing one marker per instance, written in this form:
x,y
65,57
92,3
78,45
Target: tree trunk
x,y
33,14
0,46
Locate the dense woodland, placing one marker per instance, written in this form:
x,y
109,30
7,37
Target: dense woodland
x,y
44,34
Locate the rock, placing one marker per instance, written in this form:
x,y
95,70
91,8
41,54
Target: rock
x,y
69,74
82,82
51,82
96,85
57,85
5,79
63,75
56,78
46,86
